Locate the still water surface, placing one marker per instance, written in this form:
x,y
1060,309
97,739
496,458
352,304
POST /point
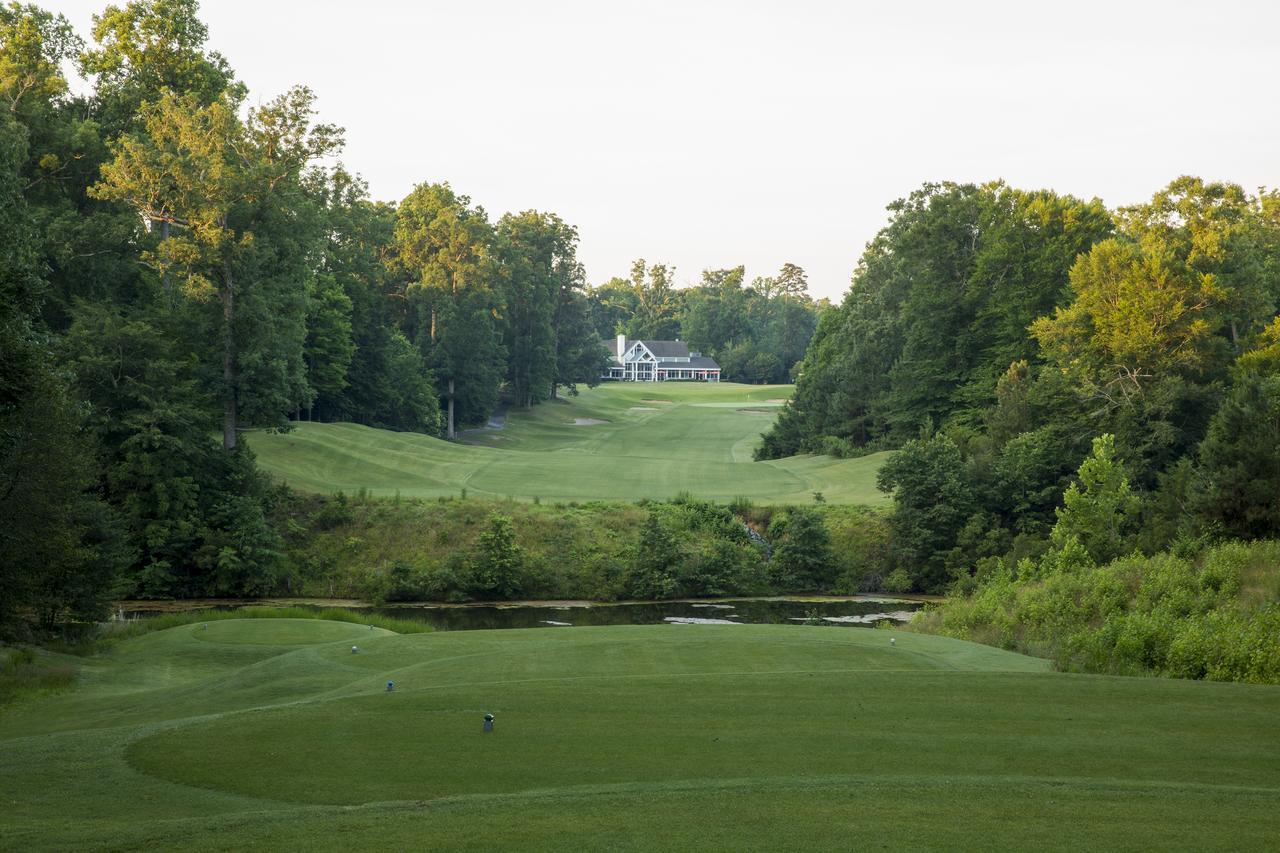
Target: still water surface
x,y
848,612
863,611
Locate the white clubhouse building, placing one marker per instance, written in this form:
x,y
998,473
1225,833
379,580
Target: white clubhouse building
x,y
657,361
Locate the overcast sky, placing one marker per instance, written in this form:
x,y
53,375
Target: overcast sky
x,y
714,134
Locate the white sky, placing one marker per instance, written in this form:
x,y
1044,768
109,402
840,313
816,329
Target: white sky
x,y
712,134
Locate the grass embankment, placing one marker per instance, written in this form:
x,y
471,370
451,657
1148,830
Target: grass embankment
x,y
116,631
409,549
1215,615
272,733
618,442
28,670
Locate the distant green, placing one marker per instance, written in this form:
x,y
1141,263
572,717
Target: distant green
x,y
273,733
656,440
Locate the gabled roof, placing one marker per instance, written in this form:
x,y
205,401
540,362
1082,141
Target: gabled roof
x,y
660,349
667,349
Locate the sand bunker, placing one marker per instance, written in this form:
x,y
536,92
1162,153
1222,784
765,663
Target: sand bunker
x,y
643,409
656,401
587,422
564,624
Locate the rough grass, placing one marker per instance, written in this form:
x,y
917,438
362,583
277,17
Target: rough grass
x,y
346,549
26,671
628,738
1214,615
695,437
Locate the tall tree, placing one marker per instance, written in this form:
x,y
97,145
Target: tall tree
x,y
535,250
715,312
56,554
613,304
446,247
656,302
937,311
148,49
1238,470
234,192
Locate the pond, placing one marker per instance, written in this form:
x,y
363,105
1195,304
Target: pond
x,y
856,611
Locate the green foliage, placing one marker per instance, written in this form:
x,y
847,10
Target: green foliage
x,y
1213,616
1239,459
938,309
757,332
59,545
933,499
656,302
801,550
148,48
537,253
651,573
244,233
499,561
23,673
1100,511
861,549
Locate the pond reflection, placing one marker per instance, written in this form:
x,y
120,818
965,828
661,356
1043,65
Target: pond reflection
x,y
863,611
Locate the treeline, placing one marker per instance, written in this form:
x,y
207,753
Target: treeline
x,y
1004,339
756,331
177,265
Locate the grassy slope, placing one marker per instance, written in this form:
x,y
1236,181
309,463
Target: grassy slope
x,y
745,737
695,437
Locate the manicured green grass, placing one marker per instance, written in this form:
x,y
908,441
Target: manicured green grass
x,y
655,441
273,733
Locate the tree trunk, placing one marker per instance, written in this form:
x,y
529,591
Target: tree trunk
x,y
229,415
451,434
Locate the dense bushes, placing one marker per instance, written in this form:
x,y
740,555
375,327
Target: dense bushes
x,y
461,550
1215,615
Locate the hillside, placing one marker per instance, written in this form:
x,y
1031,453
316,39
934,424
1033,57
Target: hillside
x,y
616,442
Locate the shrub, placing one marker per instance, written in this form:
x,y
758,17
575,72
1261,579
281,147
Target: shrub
x,y
1214,616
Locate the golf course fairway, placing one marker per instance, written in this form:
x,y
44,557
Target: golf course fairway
x,y
273,733
620,441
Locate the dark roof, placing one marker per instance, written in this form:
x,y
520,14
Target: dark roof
x,y
667,349
660,349
699,363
